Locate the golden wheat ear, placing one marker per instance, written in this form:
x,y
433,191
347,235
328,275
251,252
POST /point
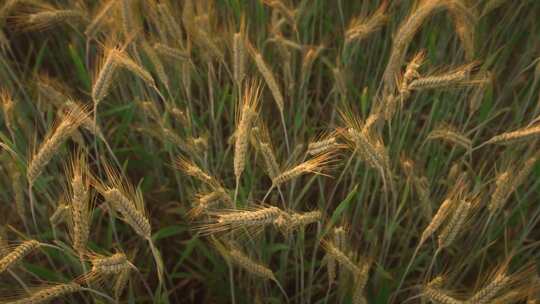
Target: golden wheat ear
x,y
53,140
360,28
250,220
272,84
129,203
81,201
104,75
246,114
17,253
43,17
206,201
325,142
315,165
99,18
189,168
44,293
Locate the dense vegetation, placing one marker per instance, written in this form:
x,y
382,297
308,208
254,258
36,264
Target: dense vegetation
x,y
273,151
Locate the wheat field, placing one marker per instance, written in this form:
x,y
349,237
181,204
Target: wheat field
x,y
269,151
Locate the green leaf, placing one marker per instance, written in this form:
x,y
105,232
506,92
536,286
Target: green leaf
x,y
168,232
340,209
82,73
44,273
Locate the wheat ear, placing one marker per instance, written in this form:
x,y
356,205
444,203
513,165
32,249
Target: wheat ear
x,y
360,28
79,203
315,165
403,38
156,62
514,136
52,142
130,204
288,222
231,220
94,25
484,295
48,18
246,115
451,230
17,254
104,76
171,52
191,169
46,294
272,84
238,258
121,282
340,257
239,56
451,135
8,108
437,296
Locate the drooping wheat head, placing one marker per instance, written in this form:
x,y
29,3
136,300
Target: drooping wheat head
x,y
252,219
360,28
17,254
52,142
315,165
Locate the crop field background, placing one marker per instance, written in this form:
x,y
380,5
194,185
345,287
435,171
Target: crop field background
x,y
269,151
